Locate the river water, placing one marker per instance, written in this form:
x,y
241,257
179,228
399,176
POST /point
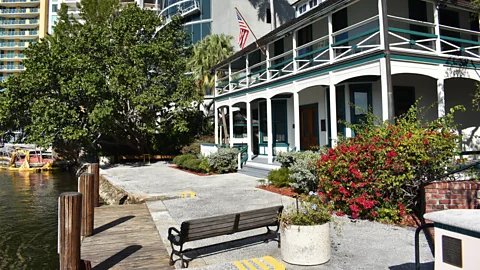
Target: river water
x,y
28,218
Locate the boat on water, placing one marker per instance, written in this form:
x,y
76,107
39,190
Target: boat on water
x,y
25,159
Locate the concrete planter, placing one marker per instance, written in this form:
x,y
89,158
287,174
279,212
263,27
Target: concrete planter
x,y
306,245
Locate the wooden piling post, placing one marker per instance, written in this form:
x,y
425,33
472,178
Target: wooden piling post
x,y
86,187
69,220
95,169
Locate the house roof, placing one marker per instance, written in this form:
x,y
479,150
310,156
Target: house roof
x,y
311,15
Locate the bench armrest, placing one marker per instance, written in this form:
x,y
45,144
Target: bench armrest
x,y
174,238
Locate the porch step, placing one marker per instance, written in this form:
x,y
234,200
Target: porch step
x,y
254,172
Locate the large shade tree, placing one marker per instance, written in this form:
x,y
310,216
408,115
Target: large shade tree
x,y
114,76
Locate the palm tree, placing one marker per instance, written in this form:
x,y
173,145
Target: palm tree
x,y
208,52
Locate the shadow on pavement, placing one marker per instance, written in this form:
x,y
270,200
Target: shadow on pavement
x,y
411,266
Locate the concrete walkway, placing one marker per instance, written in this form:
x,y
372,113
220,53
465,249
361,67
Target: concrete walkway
x,y
360,245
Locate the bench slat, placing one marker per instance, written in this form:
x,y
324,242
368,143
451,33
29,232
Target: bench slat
x,y
208,235
259,222
209,228
264,210
212,220
271,214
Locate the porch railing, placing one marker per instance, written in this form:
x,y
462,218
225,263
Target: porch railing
x,y
242,156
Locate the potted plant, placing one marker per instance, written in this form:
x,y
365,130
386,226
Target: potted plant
x,y
305,232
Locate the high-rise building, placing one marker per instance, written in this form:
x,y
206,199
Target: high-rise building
x,y
22,22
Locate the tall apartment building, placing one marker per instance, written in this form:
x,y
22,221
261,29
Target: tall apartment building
x,y
22,22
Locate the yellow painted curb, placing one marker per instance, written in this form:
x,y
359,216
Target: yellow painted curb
x,y
276,264
187,194
247,265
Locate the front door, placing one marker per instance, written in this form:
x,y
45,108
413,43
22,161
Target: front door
x,y
308,126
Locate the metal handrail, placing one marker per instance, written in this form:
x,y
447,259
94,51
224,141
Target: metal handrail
x,y
417,243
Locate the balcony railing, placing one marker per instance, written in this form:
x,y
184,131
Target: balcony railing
x,y
14,44
10,22
407,35
359,38
12,55
18,10
19,1
182,8
19,33
12,67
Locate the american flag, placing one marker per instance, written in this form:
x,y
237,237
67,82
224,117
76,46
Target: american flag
x,y
242,38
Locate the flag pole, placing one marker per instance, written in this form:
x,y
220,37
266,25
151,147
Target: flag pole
x,y
256,40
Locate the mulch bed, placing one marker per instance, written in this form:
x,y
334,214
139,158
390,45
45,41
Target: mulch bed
x,y
283,191
188,171
410,220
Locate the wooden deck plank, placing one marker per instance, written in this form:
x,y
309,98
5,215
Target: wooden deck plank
x,y
125,237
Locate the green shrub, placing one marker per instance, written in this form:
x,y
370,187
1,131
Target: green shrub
x,y
193,148
302,166
180,160
378,173
204,166
224,161
279,178
192,164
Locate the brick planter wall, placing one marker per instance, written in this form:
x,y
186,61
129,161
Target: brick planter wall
x,y
452,195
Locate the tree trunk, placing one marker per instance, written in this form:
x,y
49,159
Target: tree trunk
x,y
225,128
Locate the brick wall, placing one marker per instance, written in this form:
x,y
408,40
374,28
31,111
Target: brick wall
x,y
452,195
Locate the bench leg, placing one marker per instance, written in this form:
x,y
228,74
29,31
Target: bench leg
x,y
179,253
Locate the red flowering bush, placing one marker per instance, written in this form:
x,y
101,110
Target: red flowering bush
x,y
378,173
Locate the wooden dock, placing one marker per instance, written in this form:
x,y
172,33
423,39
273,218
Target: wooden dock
x,y
125,237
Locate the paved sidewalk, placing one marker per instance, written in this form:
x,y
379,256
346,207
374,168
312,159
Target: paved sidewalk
x,y
360,245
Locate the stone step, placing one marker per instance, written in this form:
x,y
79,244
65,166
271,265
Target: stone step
x,y
254,172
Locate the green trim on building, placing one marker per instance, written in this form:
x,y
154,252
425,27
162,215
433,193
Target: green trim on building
x,y
301,76
457,230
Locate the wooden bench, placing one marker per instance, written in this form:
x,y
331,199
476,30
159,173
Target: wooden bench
x,y
223,225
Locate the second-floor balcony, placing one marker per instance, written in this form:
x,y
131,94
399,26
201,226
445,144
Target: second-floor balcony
x,y
329,38
31,34
19,12
24,23
11,56
14,45
11,68
19,3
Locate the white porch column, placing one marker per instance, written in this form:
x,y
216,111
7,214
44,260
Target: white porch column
x,y
267,60
230,122
333,112
348,115
249,130
296,119
441,96
216,123
269,131
384,88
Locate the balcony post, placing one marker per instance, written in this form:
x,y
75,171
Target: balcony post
x,y
436,21
269,131
215,109
267,55
230,123
333,112
249,129
296,115
294,50
330,38
215,89
247,71
229,76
